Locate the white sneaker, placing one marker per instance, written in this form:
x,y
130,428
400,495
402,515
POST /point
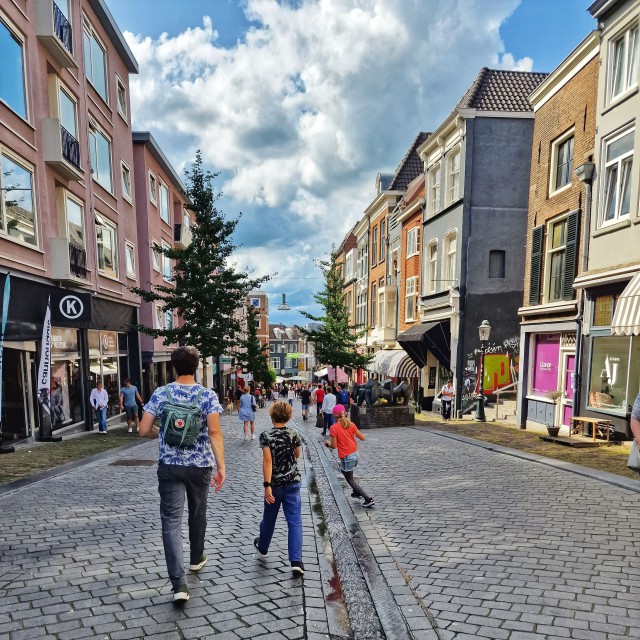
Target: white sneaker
x,y
253,437
130,430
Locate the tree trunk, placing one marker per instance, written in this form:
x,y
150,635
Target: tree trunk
x,y
203,382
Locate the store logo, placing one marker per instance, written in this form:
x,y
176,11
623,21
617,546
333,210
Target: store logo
x,y
105,343
546,366
71,307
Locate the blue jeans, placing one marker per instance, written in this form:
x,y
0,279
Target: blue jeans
x,y
101,414
329,421
289,497
174,481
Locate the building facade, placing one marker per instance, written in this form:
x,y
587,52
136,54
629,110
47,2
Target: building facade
x,y
563,139
285,345
68,231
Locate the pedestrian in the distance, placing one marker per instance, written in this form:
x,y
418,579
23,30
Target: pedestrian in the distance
x,y
446,398
318,394
247,414
305,397
343,438
129,398
281,448
328,403
189,441
99,400
291,395
275,395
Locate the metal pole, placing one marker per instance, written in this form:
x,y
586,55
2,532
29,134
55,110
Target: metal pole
x,y
480,416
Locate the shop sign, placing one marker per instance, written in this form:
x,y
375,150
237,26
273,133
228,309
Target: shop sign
x,y
70,306
64,341
109,343
226,359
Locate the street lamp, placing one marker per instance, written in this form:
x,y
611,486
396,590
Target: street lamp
x,y
485,331
284,306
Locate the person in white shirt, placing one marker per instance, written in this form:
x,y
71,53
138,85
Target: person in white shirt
x,y
328,402
291,395
99,400
446,394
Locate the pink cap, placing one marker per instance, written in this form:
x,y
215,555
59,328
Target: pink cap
x,y
338,409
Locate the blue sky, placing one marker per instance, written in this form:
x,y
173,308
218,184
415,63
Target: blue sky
x,y
300,103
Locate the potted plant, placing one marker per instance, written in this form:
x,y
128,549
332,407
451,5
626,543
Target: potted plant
x,y
553,395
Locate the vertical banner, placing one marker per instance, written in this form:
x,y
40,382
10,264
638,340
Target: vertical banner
x,y
3,325
44,369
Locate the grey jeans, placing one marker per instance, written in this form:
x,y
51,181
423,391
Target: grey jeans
x,y
174,482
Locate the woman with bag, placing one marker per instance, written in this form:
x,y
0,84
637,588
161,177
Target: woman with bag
x,y
247,413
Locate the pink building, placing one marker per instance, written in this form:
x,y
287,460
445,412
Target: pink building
x,y
68,229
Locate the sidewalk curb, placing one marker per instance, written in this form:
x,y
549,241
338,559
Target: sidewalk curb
x,y
594,474
10,487
388,613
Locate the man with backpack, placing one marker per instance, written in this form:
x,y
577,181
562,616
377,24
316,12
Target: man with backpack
x,y
190,440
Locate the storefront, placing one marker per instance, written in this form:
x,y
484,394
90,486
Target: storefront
x,y
91,338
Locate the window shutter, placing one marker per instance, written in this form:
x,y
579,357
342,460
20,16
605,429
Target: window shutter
x,y
536,264
570,256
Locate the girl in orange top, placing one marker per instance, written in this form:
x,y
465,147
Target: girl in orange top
x,y
343,438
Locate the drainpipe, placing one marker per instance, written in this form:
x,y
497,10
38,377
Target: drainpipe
x,y
585,174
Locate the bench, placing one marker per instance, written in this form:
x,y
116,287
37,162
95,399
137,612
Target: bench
x,y
599,426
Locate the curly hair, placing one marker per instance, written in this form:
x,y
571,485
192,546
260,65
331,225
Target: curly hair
x,y
280,412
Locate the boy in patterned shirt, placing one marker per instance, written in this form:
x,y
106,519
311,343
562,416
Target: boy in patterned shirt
x,y
280,451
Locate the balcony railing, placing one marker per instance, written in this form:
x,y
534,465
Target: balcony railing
x,y
77,261
70,148
62,28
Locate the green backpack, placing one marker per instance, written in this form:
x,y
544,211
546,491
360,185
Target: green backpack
x,y
181,423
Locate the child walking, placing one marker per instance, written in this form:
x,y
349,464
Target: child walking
x,y
280,451
343,438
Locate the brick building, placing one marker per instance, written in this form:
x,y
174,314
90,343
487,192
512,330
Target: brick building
x,y
563,139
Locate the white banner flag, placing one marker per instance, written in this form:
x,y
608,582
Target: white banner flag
x,y
44,369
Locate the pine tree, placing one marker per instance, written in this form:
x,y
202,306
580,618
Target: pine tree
x,y
206,291
253,356
335,342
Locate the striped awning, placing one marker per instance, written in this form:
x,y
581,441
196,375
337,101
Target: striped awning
x,y
626,318
393,363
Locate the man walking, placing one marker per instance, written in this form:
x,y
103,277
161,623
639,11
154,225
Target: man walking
x,y
305,396
188,413
99,400
129,398
318,394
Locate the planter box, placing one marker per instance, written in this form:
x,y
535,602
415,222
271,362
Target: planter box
x,y
382,417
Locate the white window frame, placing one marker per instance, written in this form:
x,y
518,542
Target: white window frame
x,y
374,246
105,222
168,314
94,132
553,173
381,304
620,162
411,299
374,303
629,83
156,261
431,285
87,29
453,191
130,247
66,196
153,191
434,179
126,170
549,250
161,185
22,42
450,258
122,108
348,266
275,363
158,316
412,242
166,262
383,235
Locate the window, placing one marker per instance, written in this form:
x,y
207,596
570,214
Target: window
x,y
374,246
432,267
130,259
12,79
166,264
275,363
602,311
125,173
155,253
624,63
95,62
348,304
383,240
450,248
164,202
153,189
75,221
18,212
67,107
122,98
107,247
497,263
361,310
617,178
348,266
453,168
158,316
272,348
412,242
374,302
556,239
561,162
381,318
434,189
410,298
100,156
168,319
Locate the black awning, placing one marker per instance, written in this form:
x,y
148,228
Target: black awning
x,y
434,336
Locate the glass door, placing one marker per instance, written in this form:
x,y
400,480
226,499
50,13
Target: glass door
x,y
566,401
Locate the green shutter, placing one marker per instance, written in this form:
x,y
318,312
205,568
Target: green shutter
x,y
536,264
570,256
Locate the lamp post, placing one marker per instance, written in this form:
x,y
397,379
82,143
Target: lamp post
x,y
485,331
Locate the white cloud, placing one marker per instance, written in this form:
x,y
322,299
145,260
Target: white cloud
x,y
317,98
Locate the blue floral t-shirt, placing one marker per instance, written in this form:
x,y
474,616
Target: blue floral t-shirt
x,y
199,455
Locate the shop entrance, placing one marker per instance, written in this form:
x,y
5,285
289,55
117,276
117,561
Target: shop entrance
x,y
566,400
17,404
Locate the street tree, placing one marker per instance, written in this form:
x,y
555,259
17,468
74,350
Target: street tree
x,y
253,355
335,341
205,289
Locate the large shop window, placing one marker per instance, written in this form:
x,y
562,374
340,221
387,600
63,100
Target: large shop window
x,y
67,406
546,355
614,378
12,84
108,355
17,204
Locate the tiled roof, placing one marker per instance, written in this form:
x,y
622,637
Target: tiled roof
x,y
498,90
410,167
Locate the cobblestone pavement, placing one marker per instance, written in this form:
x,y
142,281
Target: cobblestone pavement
x,y
81,557
482,545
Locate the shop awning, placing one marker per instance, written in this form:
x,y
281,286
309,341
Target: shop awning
x,y
321,373
422,338
626,318
393,363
